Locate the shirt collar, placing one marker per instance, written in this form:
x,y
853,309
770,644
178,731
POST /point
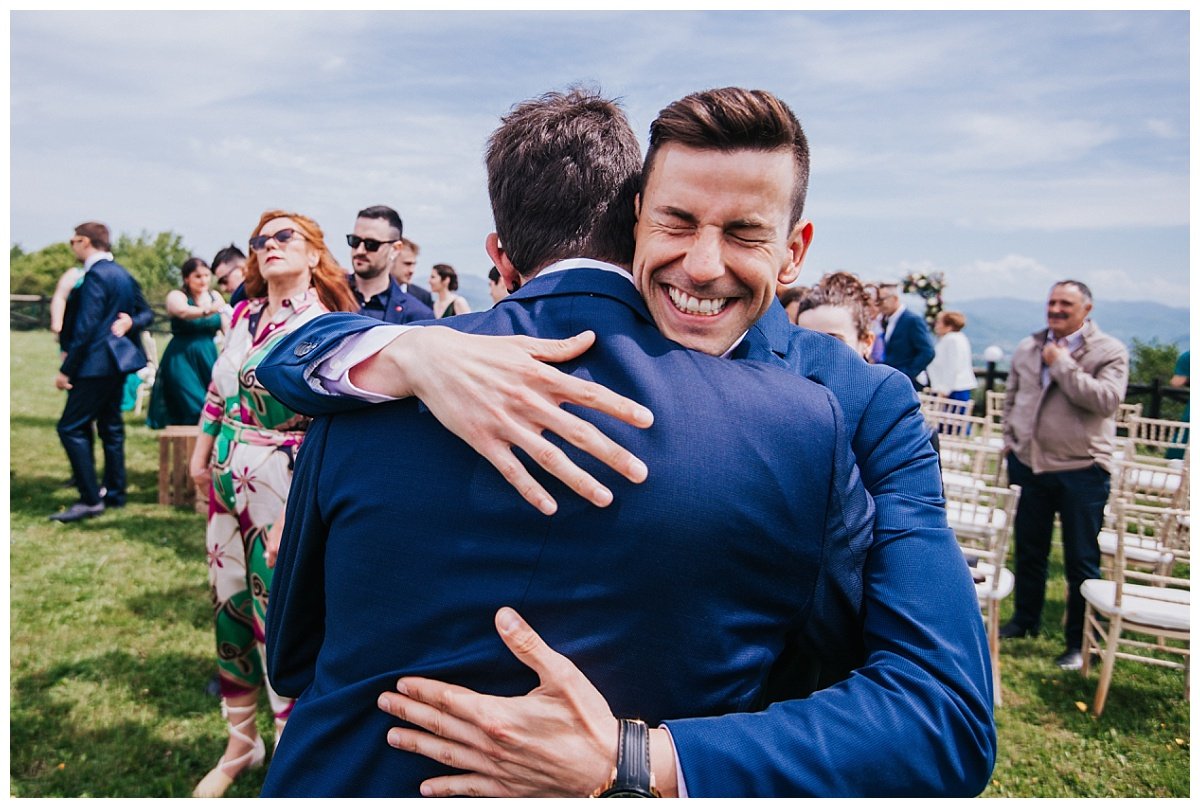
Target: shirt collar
x,y
586,263
94,258
592,263
1074,339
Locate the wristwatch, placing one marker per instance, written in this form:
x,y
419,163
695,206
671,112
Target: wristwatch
x,y
631,777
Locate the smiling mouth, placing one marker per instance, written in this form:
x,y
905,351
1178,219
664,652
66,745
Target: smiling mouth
x,y
700,307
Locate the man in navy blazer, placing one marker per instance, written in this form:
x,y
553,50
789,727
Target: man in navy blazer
x,y
907,343
374,245
939,738
102,346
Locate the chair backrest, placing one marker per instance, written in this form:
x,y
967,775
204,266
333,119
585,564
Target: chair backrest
x,y
935,402
981,517
949,416
1124,413
1153,435
970,460
150,348
1139,525
1145,480
994,409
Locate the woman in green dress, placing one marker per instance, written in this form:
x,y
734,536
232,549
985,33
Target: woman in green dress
x,y
185,370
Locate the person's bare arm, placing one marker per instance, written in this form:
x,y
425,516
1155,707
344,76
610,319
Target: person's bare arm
x,y
560,739
497,394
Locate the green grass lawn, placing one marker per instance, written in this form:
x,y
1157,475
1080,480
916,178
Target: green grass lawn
x,y
111,648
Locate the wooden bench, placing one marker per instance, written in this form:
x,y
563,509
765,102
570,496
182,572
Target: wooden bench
x,y
175,486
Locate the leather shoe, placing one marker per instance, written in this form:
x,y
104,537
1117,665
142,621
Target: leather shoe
x,y
78,511
1071,660
1012,630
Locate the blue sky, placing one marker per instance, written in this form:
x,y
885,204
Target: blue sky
x,y
1006,149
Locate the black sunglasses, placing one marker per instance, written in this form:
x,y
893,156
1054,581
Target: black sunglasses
x,y
370,244
281,237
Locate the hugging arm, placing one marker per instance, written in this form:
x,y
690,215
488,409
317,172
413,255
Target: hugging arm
x,y
496,393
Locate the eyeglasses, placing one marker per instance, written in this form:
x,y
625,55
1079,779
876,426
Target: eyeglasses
x,y
369,244
281,237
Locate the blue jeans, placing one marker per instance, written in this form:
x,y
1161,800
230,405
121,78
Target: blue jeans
x,y
1078,497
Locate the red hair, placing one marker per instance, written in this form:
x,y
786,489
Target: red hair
x,y
327,276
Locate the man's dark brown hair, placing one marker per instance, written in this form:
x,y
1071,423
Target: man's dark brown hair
x,y
733,119
563,171
95,233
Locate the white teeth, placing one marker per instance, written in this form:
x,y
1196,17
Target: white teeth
x,y
707,307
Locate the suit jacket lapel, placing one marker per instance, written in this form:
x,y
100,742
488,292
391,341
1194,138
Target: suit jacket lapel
x,y
768,339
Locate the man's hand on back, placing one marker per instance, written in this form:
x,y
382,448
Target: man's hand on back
x,y
560,739
497,394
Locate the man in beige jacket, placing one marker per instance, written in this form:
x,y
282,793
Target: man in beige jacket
x,y
1060,407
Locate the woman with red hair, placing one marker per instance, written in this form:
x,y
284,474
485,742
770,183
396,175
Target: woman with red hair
x,y
245,451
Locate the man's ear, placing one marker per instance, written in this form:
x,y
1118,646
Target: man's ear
x,y
797,247
508,273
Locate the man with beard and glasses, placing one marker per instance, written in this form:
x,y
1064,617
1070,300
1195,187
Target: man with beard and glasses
x,y
374,245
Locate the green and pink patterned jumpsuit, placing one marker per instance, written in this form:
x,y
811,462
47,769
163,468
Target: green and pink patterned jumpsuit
x,y
256,438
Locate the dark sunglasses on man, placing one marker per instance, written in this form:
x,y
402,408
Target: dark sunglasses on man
x,y
369,244
281,237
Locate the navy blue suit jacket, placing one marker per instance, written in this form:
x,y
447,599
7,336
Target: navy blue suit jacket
x,y
910,349
748,536
916,635
107,290
399,307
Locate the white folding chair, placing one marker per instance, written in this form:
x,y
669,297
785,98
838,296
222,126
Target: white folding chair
x,y
1155,609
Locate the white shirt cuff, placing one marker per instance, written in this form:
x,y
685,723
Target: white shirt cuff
x,y
331,375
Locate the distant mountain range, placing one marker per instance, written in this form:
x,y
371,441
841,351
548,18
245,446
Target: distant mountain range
x,y
1005,321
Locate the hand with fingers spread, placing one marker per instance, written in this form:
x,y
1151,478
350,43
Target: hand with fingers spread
x,y
498,393
560,739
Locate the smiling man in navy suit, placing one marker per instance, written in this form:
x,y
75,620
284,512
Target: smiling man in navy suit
x,y
100,349
938,738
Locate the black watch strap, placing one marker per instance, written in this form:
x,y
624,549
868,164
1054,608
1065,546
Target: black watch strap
x,y
632,777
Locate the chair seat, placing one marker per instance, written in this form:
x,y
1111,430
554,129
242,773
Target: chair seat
x,y
983,588
1151,606
1144,550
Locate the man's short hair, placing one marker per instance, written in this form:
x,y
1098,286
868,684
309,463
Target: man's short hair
x,y
389,215
227,255
96,233
733,119
1080,286
412,245
494,275
563,171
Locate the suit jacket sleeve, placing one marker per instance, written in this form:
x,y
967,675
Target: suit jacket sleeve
x,y
916,717
90,323
142,315
285,370
921,342
296,613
